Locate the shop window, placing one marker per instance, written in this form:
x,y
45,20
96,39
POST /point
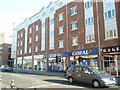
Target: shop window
x,y
71,69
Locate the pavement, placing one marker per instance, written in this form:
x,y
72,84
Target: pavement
x,y
49,73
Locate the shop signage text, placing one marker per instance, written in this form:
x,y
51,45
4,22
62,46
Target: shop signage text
x,y
83,52
111,49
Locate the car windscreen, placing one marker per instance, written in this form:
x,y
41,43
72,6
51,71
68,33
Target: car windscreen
x,y
98,71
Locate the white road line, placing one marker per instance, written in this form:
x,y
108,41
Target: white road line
x,y
41,86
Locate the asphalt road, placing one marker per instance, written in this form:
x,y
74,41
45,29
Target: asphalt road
x,y
39,81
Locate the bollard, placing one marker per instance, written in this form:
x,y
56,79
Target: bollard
x,y
12,84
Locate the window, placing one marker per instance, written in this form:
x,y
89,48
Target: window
x,y
21,35
111,34
61,44
36,49
88,4
61,30
20,51
21,43
89,20
74,25
51,9
74,41
36,38
73,10
30,40
43,25
109,14
90,38
60,16
52,33
30,30
36,27
105,15
30,50
52,21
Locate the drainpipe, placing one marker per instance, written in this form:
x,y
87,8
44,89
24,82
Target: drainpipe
x,y
67,43
99,44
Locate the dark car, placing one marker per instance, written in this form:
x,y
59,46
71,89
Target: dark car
x,y
89,75
6,68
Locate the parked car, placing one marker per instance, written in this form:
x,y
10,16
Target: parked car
x,y
89,75
6,68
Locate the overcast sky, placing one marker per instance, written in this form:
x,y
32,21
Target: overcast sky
x,y
16,11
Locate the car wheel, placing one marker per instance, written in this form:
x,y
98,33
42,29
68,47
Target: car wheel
x,y
96,84
71,80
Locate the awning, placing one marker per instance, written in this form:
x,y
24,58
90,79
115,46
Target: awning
x,y
111,54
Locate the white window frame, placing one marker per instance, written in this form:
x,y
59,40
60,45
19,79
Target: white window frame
x,y
20,51
60,16
73,23
59,29
90,38
108,36
36,38
73,8
21,43
30,50
61,41
36,28
30,40
36,49
30,30
74,38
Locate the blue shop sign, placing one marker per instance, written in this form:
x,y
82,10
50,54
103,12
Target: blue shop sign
x,y
83,52
53,55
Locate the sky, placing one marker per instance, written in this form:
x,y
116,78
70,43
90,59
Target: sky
x,y
16,11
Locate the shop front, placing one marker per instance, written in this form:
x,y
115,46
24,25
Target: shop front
x,y
57,61
19,62
39,62
111,59
27,63
84,57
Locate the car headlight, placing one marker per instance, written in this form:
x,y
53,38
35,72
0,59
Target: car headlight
x,y
113,78
105,80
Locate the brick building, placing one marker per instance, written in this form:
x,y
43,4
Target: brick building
x,y
71,33
5,54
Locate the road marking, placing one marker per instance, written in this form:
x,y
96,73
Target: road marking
x,y
41,86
